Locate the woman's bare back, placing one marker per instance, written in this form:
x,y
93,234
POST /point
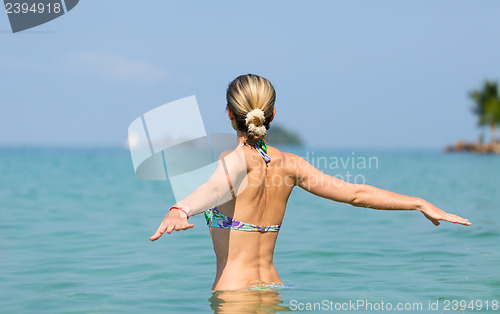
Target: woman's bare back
x,y
246,258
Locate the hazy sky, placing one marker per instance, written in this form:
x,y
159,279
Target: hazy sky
x,y
348,74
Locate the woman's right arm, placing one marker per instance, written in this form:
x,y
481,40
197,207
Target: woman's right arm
x,y
316,182
230,173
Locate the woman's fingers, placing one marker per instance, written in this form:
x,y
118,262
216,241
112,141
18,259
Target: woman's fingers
x,y
447,217
157,234
186,226
183,227
434,221
458,220
178,226
169,227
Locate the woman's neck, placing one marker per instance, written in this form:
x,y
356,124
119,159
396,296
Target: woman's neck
x,y
242,138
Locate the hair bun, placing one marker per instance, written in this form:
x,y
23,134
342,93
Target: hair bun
x,y
255,122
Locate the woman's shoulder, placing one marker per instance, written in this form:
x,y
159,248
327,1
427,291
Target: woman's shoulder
x,y
232,158
284,154
288,159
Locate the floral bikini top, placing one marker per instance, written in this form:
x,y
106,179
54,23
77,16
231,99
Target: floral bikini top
x,y
216,219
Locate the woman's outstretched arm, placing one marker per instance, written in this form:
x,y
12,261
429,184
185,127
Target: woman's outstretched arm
x,y
227,177
316,182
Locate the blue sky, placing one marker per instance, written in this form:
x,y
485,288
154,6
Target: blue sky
x,y
348,74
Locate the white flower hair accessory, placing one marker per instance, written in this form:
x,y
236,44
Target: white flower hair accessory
x,y
253,117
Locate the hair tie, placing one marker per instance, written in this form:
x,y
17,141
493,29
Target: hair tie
x,y
256,114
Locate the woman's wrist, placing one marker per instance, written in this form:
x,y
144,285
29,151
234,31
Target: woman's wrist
x,y
182,211
419,204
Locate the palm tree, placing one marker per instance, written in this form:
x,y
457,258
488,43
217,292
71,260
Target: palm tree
x,y
487,106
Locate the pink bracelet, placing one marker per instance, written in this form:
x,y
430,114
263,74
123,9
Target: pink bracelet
x,y
182,210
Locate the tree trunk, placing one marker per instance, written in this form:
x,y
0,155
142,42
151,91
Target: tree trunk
x,y
494,137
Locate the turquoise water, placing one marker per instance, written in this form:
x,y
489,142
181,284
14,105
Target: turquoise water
x,y
75,224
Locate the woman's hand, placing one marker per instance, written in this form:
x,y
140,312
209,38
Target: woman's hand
x,y
435,214
174,220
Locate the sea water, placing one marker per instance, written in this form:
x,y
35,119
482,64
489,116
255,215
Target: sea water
x,y
75,223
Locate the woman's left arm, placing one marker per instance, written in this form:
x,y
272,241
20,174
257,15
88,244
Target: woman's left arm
x,y
316,182
372,197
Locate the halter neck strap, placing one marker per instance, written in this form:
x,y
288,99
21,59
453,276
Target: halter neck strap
x,y
261,147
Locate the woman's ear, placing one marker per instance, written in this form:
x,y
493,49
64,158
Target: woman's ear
x,y
274,112
230,113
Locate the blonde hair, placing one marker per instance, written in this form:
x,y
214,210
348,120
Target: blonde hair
x,y
251,99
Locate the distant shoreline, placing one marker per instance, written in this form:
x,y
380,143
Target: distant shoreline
x,y
480,148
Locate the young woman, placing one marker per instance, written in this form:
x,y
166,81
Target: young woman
x,y
245,199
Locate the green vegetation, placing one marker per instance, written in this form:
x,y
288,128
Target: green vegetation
x,y
487,106
279,135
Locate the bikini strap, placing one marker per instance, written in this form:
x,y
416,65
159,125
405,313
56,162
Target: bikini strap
x,y
261,147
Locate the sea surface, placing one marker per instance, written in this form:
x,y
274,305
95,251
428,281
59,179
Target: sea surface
x,y
75,223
